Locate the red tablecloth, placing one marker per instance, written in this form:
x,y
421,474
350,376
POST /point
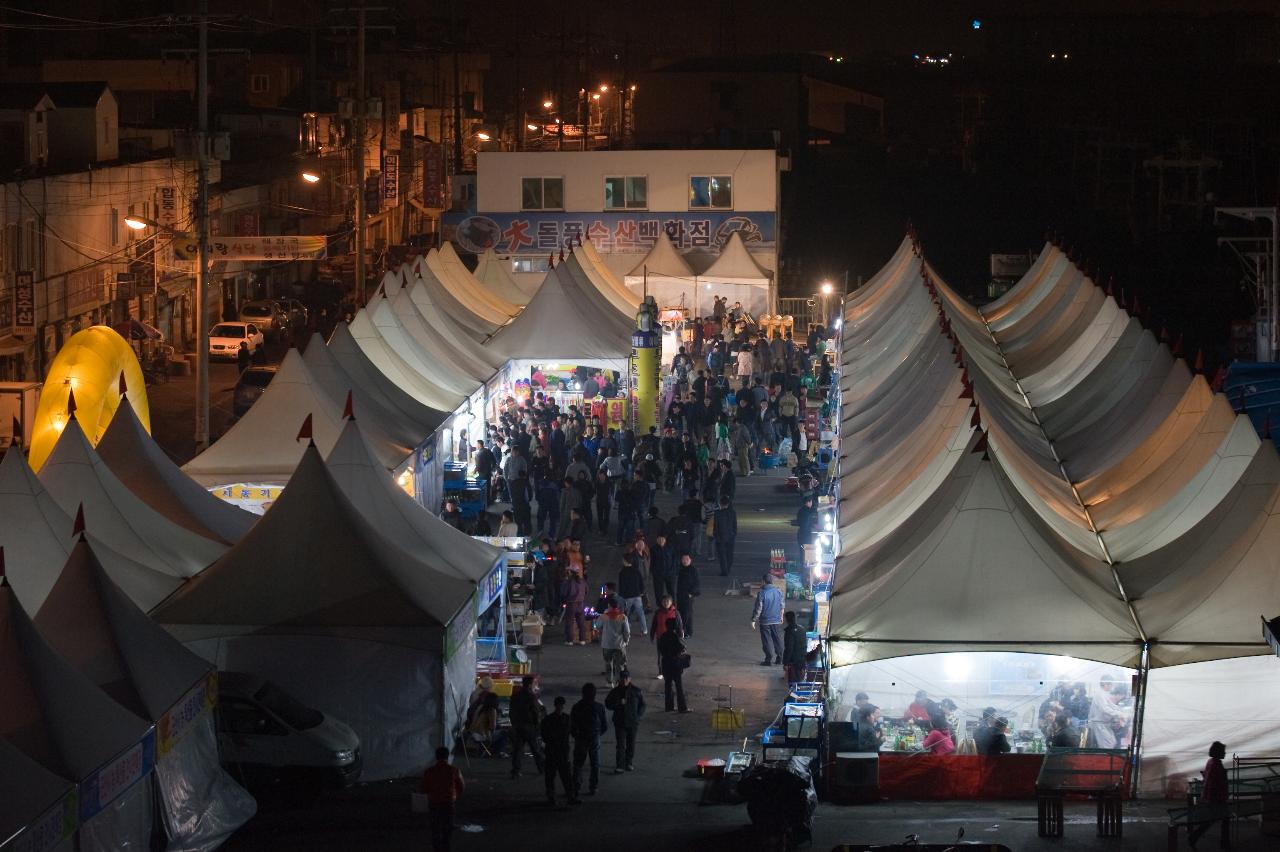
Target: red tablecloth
x,y
958,776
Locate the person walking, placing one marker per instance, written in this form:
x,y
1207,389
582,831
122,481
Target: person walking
x,y
573,594
527,713
688,587
665,617
443,785
587,724
725,535
631,590
659,568
674,659
1213,805
626,700
794,646
615,633
556,729
767,615
243,357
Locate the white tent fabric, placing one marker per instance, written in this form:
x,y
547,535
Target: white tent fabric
x,y
736,276
441,357
89,622
436,277
605,281
35,801
389,425
399,518
665,275
495,274
426,363
36,536
397,368
471,291
316,599
592,292
76,477
139,462
262,447
60,720
558,324
438,322
364,374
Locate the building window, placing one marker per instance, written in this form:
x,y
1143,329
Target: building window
x,y
713,192
542,193
113,227
626,193
530,264
259,84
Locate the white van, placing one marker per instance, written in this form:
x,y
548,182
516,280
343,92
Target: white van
x,y
266,736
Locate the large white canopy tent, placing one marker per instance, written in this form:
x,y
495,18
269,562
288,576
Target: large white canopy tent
x,y
479,320
425,357
495,274
439,322
138,461
262,447
1107,473
364,374
76,477
58,719
665,275
443,356
92,624
736,276
400,370
317,600
605,281
37,537
471,291
594,292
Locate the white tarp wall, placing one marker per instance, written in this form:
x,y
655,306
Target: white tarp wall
x,y
202,805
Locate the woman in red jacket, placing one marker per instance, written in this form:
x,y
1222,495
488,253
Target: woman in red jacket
x,y
665,617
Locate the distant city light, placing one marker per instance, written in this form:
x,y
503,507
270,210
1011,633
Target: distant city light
x,y
532,126
603,89
976,24
311,177
547,104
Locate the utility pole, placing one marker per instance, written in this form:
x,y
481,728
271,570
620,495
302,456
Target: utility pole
x,y
359,153
457,90
202,225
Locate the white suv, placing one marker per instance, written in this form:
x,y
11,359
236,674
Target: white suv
x,y
225,339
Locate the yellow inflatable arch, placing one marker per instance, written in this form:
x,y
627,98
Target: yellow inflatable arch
x,y
89,365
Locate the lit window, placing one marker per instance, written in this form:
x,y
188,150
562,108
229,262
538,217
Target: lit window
x,y
529,264
626,193
711,192
542,193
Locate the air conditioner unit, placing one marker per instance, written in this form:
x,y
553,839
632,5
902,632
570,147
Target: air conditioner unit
x,y
346,108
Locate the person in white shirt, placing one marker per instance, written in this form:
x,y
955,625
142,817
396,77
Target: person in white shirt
x,y
1105,718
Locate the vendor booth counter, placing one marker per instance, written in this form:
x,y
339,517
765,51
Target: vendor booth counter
x,y
926,776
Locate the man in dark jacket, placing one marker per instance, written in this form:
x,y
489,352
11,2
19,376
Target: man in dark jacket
x,y
631,592
725,535
526,716
806,524
660,565
627,703
587,722
556,729
486,464
688,587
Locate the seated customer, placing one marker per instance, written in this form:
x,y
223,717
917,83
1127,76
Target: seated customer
x,y
1065,735
939,740
869,736
918,710
991,739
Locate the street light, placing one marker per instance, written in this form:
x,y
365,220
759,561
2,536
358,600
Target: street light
x,y
532,126
139,223
482,136
311,177
827,288
603,89
547,104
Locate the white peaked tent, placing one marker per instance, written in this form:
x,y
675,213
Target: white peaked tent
x,y
495,274
317,600
399,518
362,373
583,287
37,803
399,369
139,462
559,325
665,275
1115,509
262,447
389,425
439,322
471,291
90,623
75,476
58,719
738,277
435,277
606,282
441,354
392,282
432,364
37,537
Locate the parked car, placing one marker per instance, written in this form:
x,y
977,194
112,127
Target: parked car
x,y
225,339
249,387
266,737
265,314
296,311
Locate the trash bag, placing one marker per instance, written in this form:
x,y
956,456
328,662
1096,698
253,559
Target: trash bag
x,y
784,447
780,796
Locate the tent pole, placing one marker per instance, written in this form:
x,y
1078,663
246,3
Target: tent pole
x,y
1139,719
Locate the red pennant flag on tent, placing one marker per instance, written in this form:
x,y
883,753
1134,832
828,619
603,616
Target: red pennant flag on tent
x,y
980,445
551,261
124,386
1177,347
562,254
348,412
1199,367
71,402
1218,378
78,527
966,391
305,431
976,420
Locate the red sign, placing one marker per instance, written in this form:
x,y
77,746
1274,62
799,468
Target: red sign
x,y
433,178
247,223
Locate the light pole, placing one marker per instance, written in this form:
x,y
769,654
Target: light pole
x,y
826,289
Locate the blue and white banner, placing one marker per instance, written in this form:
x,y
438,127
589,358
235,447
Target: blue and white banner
x,y
542,233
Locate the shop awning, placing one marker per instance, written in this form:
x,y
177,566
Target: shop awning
x,y
10,345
